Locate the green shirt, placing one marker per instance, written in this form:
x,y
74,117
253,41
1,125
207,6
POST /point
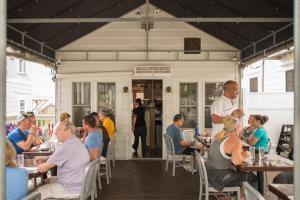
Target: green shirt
x,y
262,136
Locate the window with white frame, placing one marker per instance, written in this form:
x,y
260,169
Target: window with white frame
x,y
107,98
22,106
81,101
253,84
289,80
213,91
22,67
188,105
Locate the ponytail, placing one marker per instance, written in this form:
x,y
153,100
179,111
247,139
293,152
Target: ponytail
x,y
261,118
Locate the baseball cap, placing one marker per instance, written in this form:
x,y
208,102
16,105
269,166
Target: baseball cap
x,y
23,116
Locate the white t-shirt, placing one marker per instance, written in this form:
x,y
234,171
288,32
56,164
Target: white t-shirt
x,y
223,106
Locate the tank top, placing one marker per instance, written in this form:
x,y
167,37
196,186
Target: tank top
x,y
217,158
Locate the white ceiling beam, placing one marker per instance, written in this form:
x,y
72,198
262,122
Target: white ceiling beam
x,y
106,20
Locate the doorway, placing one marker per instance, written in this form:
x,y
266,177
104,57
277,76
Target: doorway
x,y
150,92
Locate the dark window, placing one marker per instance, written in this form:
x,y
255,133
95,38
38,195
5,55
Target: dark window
x,y
289,80
81,101
192,45
254,84
22,106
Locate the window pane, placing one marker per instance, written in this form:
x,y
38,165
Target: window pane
x,y
81,101
254,84
107,98
188,103
289,80
212,92
22,106
190,116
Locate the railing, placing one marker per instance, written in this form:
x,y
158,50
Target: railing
x,y
21,39
150,55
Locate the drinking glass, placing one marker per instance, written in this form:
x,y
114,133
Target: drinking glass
x,y
252,155
261,155
20,160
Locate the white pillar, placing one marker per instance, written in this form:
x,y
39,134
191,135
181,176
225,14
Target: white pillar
x,y
297,99
2,95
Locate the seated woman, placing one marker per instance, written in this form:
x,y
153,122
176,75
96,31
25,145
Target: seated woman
x,y
224,154
16,179
260,138
249,130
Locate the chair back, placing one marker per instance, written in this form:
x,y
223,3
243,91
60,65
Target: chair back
x,y
251,193
188,135
89,180
33,196
202,171
269,145
169,145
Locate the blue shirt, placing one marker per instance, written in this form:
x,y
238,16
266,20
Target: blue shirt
x,y
93,140
175,133
16,183
262,137
17,136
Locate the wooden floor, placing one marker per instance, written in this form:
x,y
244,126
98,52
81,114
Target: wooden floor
x,y
139,180
147,180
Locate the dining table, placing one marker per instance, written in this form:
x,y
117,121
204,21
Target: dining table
x,y
283,191
271,163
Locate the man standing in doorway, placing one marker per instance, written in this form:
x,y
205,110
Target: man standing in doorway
x,y
225,107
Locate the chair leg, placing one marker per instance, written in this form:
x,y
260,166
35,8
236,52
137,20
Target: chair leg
x,y
109,170
192,164
174,166
95,190
239,194
200,191
99,178
107,173
167,163
114,158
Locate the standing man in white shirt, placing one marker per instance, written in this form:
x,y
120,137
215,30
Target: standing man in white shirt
x,y
225,107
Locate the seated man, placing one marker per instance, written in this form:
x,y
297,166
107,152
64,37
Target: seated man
x,y
93,141
181,146
71,159
26,135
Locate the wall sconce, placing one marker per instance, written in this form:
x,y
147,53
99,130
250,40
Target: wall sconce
x,y
169,89
125,89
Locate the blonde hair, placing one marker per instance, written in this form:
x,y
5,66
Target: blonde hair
x,y
10,155
230,125
64,116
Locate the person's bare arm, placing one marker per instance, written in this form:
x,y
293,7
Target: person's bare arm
x,y
44,167
26,145
185,143
236,154
93,153
252,140
216,119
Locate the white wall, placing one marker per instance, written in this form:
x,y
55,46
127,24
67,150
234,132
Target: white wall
x,y
18,87
274,102
129,36
279,107
35,84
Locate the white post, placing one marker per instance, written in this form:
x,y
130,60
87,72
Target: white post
x,y
2,95
297,99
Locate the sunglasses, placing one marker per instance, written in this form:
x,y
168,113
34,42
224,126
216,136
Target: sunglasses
x,y
28,114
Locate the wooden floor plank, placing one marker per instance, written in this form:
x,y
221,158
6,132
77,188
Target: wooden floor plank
x,y
137,180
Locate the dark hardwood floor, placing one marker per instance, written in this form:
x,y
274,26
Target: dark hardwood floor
x,y
137,180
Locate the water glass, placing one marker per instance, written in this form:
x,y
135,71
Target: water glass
x,y
252,155
261,155
20,160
